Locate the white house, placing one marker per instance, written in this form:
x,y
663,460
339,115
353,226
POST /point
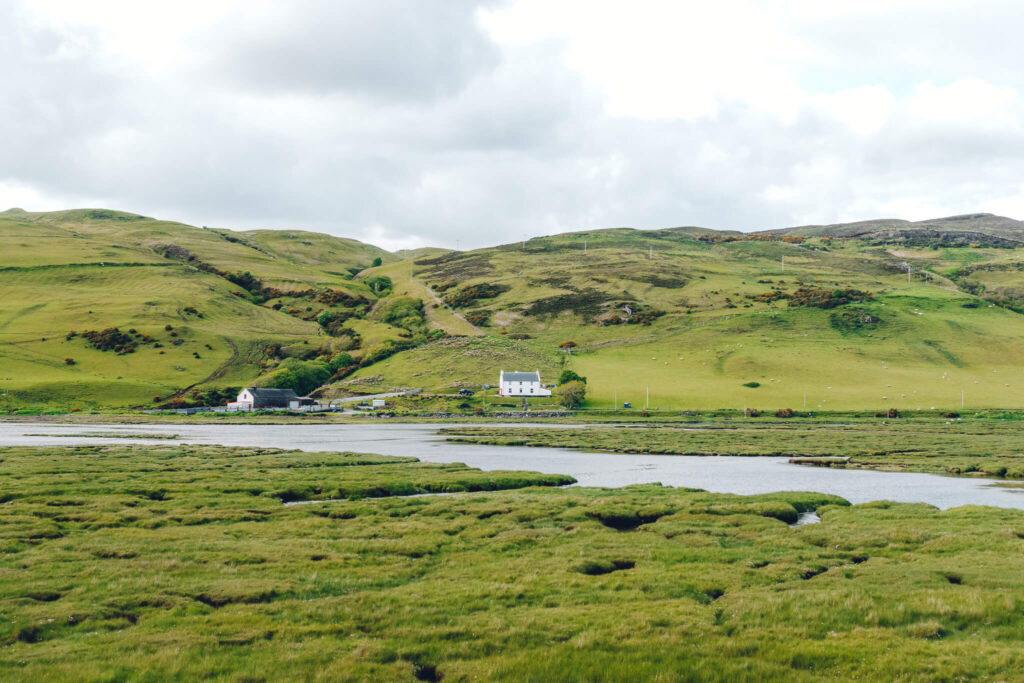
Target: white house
x,y
523,384
255,398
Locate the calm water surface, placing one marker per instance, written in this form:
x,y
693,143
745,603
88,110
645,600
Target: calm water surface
x,y
743,475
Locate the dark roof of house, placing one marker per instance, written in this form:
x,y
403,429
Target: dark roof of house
x,y
520,376
261,394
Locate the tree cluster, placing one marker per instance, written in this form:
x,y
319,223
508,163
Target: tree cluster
x,y
571,394
301,376
113,339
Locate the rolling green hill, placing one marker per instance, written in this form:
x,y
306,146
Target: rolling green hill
x,y
692,317
951,228
697,318
66,273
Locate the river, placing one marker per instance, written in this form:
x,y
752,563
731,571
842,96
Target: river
x,y
743,475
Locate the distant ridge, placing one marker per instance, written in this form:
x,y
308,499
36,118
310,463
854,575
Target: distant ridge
x,y
978,223
962,226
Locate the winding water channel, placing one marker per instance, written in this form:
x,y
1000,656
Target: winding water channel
x,y
743,475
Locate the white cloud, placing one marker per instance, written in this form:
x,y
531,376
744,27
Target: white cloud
x,y
444,120
970,102
664,60
1010,205
864,109
16,195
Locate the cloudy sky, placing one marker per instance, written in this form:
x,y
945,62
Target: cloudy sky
x,y
469,123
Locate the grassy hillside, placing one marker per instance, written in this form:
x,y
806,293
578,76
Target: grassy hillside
x,y
93,269
334,255
981,224
693,318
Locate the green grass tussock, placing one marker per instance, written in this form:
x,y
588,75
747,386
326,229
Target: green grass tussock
x,y
987,447
179,562
215,579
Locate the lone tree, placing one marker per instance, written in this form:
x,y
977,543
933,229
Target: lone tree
x,y
571,394
568,346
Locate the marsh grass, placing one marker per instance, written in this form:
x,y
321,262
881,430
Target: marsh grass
x,y
180,562
111,435
989,448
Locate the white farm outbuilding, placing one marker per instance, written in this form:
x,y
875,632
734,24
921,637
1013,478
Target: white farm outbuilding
x,y
259,398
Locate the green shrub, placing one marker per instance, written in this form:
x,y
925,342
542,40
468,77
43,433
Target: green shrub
x,y
386,349
571,394
380,285
405,312
570,376
816,297
467,295
111,339
300,376
340,360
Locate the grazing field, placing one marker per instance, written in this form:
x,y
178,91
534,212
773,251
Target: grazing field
x,y
989,448
177,562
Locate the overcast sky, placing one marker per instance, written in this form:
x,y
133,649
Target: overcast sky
x,y
445,122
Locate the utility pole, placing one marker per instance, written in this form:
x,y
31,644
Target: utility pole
x,y
584,245
783,263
